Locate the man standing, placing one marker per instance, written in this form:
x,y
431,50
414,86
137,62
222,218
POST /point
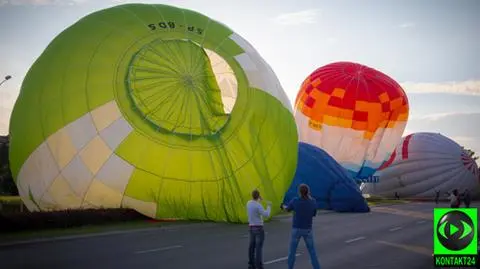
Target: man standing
x,y
256,213
305,208
454,199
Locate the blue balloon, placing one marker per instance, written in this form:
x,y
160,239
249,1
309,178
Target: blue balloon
x,y
330,184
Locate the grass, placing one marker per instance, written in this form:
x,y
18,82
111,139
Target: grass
x,y
383,201
88,229
10,204
10,199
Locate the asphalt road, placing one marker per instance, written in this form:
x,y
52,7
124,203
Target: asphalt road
x,y
390,237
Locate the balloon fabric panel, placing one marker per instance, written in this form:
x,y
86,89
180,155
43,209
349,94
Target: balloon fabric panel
x,y
155,108
356,113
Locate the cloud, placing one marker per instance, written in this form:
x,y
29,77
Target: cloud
x,y
469,142
332,40
440,116
122,1
469,87
407,25
42,2
462,128
451,124
308,16
463,138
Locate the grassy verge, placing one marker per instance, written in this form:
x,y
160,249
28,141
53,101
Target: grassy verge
x,y
10,199
376,202
87,229
18,225
10,204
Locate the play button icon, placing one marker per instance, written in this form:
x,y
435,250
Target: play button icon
x,y
454,230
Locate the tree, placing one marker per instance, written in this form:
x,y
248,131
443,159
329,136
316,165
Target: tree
x,y
7,185
471,153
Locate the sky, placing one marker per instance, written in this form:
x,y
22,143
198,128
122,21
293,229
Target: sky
x,y
431,47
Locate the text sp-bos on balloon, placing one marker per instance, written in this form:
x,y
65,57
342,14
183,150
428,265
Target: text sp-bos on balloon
x,y
173,25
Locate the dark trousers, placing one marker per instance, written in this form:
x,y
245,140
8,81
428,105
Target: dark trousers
x,y
255,248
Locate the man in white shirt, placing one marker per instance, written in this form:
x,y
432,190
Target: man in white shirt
x,y
256,213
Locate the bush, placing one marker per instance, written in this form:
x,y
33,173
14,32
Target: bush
x,y
14,222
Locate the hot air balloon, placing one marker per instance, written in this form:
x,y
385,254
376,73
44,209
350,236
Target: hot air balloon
x,y
155,108
330,184
424,163
355,113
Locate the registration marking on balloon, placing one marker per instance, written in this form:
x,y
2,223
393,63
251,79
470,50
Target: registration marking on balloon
x,y
357,114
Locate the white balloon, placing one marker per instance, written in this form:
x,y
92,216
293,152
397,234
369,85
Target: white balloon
x,y
424,163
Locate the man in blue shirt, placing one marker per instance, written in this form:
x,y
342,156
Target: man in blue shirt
x,y
304,208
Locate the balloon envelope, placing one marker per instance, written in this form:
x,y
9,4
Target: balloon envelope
x,y
424,163
355,113
330,184
154,108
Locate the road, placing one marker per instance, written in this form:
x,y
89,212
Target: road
x,y
397,236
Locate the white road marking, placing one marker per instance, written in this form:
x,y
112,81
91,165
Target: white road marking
x,y
355,239
280,259
395,229
420,222
417,249
158,249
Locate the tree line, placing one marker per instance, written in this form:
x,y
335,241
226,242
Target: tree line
x,y
471,153
7,185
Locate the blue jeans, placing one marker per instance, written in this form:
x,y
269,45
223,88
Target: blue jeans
x,y
307,235
255,248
